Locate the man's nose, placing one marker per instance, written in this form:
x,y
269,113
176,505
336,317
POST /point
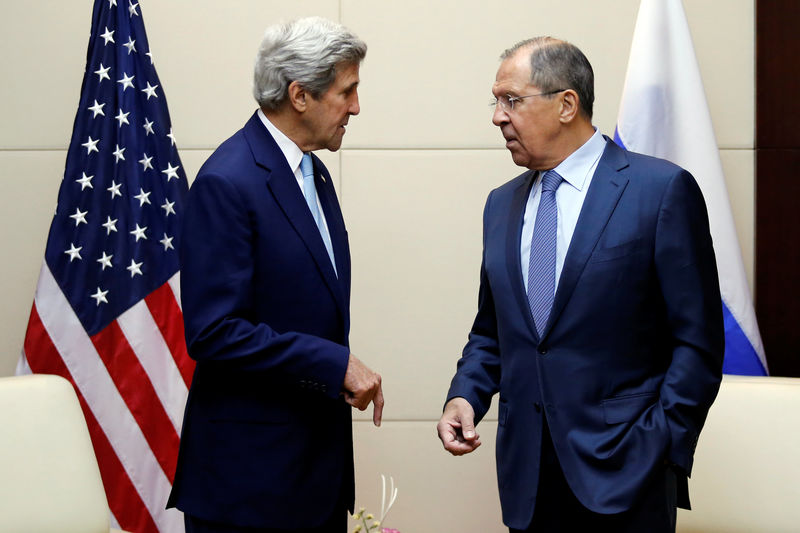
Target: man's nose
x,y
500,116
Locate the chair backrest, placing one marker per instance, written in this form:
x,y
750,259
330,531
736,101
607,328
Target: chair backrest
x,y
49,479
746,475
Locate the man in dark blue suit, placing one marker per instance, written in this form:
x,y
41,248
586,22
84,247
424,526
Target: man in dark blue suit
x,y
599,319
265,281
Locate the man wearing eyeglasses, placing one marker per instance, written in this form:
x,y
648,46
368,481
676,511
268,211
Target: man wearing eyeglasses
x,y
599,321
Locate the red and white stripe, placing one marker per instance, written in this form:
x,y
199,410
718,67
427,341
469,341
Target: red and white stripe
x,y
132,380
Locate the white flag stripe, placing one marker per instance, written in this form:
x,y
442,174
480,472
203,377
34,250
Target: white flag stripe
x,y
23,368
691,151
145,339
175,285
664,112
103,398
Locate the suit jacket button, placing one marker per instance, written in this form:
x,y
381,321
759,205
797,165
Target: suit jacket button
x,y
542,351
537,406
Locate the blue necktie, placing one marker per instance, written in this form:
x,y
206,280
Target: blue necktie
x,y
310,191
542,266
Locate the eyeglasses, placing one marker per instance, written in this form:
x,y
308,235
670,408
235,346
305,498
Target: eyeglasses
x,y
507,102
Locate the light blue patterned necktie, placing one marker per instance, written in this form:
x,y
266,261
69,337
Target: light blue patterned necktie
x,y
542,265
310,191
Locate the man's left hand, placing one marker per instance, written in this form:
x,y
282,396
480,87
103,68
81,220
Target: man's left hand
x,y
362,386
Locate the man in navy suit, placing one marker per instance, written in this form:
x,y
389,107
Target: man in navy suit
x,y
599,318
265,281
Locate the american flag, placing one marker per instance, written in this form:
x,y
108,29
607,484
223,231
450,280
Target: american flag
x,y
106,314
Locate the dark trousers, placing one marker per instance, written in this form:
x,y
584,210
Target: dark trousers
x,y
337,523
558,510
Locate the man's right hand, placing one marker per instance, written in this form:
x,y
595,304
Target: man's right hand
x,y
457,427
362,386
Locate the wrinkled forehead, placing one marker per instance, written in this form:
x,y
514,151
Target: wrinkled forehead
x,y
347,73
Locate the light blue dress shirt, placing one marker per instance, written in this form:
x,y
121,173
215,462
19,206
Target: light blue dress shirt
x,y
577,171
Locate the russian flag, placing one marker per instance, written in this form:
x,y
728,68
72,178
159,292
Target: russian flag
x,y
664,113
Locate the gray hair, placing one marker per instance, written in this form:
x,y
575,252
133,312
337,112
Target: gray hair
x,y
306,51
557,64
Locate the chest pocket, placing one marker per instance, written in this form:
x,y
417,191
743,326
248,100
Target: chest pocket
x,y
619,251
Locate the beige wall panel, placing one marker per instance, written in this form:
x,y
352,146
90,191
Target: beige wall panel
x,y
437,493
192,160
723,32
739,167
203,51
415,222
434,70
332,161
43,56
427,79
30,181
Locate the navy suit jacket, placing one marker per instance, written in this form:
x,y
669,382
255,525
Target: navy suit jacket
x,y
266,439
631,357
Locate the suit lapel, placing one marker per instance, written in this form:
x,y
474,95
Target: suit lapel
x,y
336,228
513,237
282,183
604,193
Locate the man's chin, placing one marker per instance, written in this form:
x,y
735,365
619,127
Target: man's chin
x,y
335,143
519,159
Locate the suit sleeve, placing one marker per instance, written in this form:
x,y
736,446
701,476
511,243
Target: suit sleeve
x,y
477,376
217,271
687,272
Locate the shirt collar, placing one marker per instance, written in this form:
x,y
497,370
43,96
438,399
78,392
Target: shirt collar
x,y
575,168
290,150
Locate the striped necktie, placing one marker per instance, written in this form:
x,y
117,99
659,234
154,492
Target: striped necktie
x,y
542,266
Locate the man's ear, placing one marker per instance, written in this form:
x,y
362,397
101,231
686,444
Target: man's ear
x,y
570,106
297,96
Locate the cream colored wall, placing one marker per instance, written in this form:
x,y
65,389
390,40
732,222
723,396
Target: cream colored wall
x,y
413,173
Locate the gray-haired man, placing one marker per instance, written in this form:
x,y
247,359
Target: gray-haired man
x,y
267,437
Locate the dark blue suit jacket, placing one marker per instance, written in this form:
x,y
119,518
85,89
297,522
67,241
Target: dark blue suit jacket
x,y
266,440
631,358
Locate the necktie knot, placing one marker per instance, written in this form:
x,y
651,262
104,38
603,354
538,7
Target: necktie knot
x,y
551,180
306,166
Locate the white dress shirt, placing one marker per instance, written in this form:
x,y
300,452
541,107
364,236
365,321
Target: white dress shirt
x,y
293,156
577,171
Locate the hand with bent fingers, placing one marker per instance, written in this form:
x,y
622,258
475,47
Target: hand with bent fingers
x,y
362,386
457,428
